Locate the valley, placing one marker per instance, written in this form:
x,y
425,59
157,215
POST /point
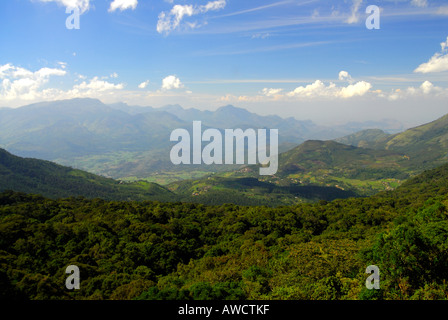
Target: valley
x,y
356,165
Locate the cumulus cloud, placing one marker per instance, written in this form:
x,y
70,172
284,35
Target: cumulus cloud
x,y
425,89
20,83
122,5
82,5
143,85
345,76
269,92
171,82
169,21
438,62
319,89
96,85
353,90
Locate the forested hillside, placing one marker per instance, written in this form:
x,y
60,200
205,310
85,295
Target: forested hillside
x,y
152,250
55,181
425,146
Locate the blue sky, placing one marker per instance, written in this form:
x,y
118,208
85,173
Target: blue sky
x,y
309,59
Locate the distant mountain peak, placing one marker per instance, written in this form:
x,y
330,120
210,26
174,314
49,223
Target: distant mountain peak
x,y
172,107
230,107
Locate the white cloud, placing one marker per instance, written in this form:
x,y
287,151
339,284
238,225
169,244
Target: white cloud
x,y
114,75
269,92
419,3
4,70
170,21
95,85
143,85
425,89
344,76
353,90
319,89
171,82
354,17
19,86
82,5
63,65
122,5
20,83
212,6
438,62
315,91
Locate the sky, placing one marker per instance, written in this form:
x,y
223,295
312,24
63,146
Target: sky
x,y
309,59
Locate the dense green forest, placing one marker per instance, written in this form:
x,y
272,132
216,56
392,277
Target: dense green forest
x,y
155,250
54,181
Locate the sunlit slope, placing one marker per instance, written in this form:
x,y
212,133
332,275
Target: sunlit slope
x,y
54,181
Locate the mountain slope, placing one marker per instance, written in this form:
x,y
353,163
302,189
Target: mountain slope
x,y
364,138
132,142
330,155
363,171
332,164
425,146
81,127
55,181
177,251
251,191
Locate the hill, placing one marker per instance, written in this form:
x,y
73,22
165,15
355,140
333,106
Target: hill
x,y
132,142
55,181
216,190
178,251
364,138
369,160
363,163
360,171
339,159
425,146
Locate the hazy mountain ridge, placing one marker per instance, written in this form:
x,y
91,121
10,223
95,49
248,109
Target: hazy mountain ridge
x,y
364,139
51,180
425,146
312,170
122,141
328,164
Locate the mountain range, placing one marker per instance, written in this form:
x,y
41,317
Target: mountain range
x,y
363,163
132,142
426,146
54,181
